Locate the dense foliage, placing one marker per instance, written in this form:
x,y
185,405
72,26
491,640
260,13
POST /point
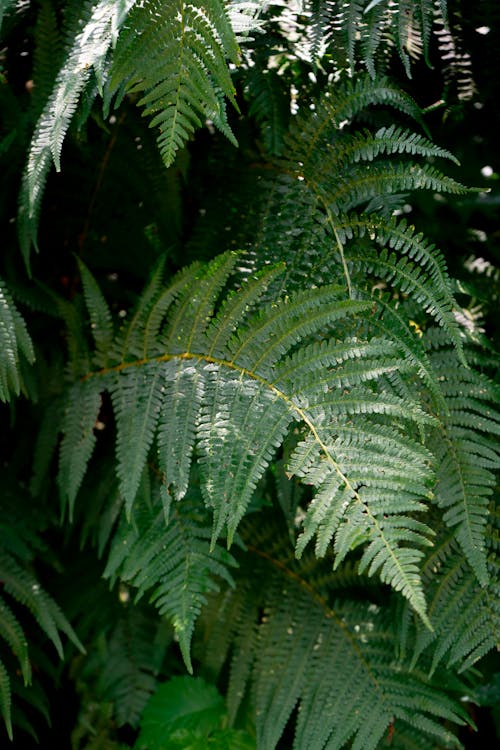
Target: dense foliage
x,y
249,374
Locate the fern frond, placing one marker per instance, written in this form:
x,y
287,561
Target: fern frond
x,y
332,113
101,322
15,343
466,453
137,400
5,697
184,389
354,29
320,656
87,54
270,106
174,55
140,336
420,271
21,594
124,666
329,171
456,60
172,562
456,596
47,54
237,404
82,408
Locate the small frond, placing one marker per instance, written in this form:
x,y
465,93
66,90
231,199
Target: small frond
x,y
15,344
82,408
174,56
172,562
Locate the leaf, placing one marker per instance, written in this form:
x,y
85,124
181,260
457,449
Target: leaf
x,y
180,708
174,56
82,408
15,343
172,562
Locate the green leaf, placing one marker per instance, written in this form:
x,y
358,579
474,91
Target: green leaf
x,y
182,708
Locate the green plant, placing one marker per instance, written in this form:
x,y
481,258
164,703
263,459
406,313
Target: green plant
x,y
257,416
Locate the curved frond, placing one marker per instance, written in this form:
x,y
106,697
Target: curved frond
x,y
467,455
86,56
22,594
238,403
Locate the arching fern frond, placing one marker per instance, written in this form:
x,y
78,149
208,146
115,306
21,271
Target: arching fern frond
x,y
332,171
234,387
87,56
456,596
23,600
466,447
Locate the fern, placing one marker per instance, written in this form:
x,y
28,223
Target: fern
x,y
15,346
23,594
87,56
124,667
467,459
240,409
174,56
173,563
294,646
252,418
